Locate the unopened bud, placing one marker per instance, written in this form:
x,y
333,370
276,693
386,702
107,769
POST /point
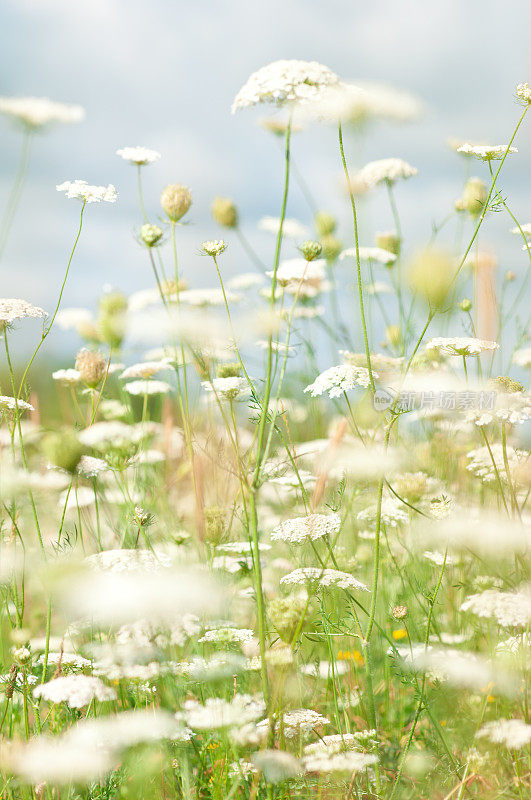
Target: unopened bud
x,y
325,223
231,370
225,212
63,450
430,275
465,304
473,198
176,201
311,250
388,240
151,234
399,612
510,276
331,247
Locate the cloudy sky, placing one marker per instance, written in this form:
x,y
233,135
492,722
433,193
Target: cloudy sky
x,y
163,74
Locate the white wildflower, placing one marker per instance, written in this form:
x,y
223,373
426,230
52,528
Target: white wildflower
x,y
143,387
214,248
76,691
339,379
285,81
460,345
12,309
378,254
509,609
513,733
37,112
291,228
227,388
385,169
217,714
139,156
12,403
486,152
306,529
81,190
323,578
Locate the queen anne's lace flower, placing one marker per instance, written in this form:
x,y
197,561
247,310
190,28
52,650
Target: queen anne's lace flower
x,y
11,404
522,357
298,721
81,190
36,112
12,309
306,529
370,254
460,345
323,578
142,387
513,733
214,247
337,380
145,369
385,169
285,81
480,462
228,388
139,156
509,609
523,92
392,513
486,152
291,228
217,714
75,690
128,560
348,762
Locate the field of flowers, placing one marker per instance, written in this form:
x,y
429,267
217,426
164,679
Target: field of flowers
x,y
273,541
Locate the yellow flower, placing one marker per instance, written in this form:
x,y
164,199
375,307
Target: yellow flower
x,y
400,633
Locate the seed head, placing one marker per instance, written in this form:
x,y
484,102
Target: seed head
x,y
176,201
507,385
231,370
225,212
91,366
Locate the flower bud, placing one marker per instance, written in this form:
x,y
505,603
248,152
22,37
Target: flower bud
x,y
175,201
91,366
399,612
394,335
215,525
225,212
286,614
508,385
430,275
231,370
113,303
473,198
63,450
214,248
388,240
325,223
331,247
523,92
151,234
311,250
510,276
465,304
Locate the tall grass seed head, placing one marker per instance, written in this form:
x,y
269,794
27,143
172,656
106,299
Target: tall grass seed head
x,y
325,223
311,250
176,200
91,365
225,212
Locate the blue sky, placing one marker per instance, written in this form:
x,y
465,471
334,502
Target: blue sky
x,y
163,74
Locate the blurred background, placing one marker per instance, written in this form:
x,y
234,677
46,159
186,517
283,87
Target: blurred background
x,y
163,74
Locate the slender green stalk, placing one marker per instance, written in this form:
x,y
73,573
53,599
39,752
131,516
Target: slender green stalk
x,y
358,264
16,190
